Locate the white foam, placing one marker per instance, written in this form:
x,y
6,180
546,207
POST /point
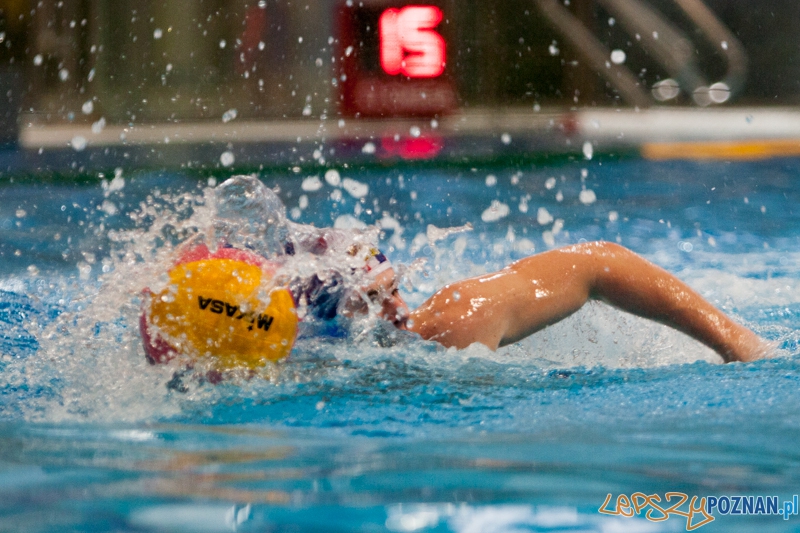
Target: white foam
x,y
466,518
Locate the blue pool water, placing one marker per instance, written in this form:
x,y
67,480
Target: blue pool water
x,y
359,434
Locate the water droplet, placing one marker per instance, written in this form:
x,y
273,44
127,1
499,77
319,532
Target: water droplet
x,y
311,184
505,139
37,59
157,33
108,208
78,143
355,188
588,150
618,56
587,197
98,126
87,107
491,180
333,178
456,296
495,211
229,115
227,158
543,216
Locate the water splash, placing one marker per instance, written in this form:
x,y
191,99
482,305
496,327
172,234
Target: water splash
x,y
76,352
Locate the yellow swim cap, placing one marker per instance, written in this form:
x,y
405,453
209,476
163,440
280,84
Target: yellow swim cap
x,y
211,308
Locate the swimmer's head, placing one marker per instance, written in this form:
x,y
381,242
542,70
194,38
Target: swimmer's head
x,y
380,288
383,291
375,263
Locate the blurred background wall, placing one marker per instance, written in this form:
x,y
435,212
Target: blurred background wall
x,y
186,60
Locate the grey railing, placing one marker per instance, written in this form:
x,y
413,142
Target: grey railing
x,y
666,44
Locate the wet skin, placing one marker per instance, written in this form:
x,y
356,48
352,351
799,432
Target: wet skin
x,y
506,306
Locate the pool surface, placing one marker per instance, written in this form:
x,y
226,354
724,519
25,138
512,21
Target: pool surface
x,y
384,432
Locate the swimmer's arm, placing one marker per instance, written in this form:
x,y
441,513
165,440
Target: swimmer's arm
x,y
507,306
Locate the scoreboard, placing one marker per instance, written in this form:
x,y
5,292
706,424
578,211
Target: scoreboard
x,y
393,59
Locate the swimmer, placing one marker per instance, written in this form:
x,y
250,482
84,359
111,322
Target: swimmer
x,y
504,307
495,309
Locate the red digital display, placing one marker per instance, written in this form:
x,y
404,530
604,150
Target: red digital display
x,y
393,59
409,44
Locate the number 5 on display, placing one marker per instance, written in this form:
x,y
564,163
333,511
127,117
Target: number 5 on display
x,y
408,43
